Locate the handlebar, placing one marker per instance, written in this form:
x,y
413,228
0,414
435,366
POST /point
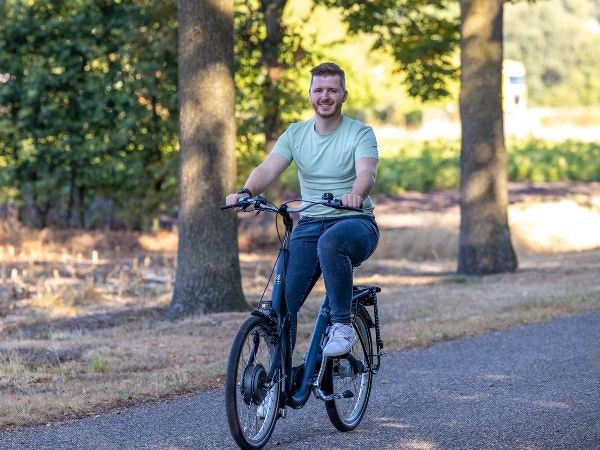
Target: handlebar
x,y
260,203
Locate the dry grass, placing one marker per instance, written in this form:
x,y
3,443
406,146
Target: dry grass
x,y
82,313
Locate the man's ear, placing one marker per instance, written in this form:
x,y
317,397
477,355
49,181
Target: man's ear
x,y
345,96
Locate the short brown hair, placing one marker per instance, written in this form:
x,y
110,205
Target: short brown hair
x,y
328,69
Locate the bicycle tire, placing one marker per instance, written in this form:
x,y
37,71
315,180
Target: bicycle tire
x,y
246,384
346,413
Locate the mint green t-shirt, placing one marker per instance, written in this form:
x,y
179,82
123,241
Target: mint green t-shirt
x,y
327,163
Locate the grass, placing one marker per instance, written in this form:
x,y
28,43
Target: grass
x,y
82,313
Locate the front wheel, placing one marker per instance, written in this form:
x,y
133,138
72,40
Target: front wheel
x,y
251,399
350,375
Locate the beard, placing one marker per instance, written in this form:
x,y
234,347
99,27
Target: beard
x,y
327,110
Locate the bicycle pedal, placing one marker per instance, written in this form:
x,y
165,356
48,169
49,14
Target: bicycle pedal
x,y
346,394
320,395
338,395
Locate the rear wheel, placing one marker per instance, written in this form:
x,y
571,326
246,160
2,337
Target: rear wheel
x,y
251,399
352,377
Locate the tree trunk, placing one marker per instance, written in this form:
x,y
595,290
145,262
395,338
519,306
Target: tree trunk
x,y
71,202
208,273
485,244
271,93
271,45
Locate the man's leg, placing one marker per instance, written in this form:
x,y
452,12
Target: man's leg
x,y
303,268
345,244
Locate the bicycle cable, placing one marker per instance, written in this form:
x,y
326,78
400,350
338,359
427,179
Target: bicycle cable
x,y
277,214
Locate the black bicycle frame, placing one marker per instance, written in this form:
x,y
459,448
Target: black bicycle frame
x,y
276,311
297,392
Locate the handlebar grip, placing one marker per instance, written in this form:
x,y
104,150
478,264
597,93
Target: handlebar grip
x,y
350,208
337,204
242,202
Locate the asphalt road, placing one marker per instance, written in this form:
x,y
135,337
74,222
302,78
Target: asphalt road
x,y
531,387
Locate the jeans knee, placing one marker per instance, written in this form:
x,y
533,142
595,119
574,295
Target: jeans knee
x,y
329,246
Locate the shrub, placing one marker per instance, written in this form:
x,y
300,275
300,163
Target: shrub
x,y
435,165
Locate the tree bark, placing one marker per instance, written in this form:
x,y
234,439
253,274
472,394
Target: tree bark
x,y
485,244
271,45
208,273
271,90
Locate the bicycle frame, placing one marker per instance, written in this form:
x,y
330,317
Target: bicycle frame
x,y
261,381
297,392
276,310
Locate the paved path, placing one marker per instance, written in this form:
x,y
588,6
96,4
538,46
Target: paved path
x,y
531,387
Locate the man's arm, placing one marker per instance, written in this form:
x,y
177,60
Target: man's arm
x,y
366,168
262,176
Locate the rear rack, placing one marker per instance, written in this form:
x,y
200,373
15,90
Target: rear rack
x,y
366,295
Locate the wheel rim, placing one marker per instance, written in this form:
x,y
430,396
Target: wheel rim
x,y
349,378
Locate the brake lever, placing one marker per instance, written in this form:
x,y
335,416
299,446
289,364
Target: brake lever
x,y
242,203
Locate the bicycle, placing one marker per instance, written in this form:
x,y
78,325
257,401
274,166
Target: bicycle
x,y
261,381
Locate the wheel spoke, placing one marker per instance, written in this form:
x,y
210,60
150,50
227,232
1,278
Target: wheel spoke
x,y
247,389
351,374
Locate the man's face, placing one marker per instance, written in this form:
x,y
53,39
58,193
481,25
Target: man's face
x,y
326,95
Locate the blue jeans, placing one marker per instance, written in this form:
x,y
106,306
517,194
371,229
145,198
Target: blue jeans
x,y
332,247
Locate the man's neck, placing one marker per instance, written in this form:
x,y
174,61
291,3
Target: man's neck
x,y
326,125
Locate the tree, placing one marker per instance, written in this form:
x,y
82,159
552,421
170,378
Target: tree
x,y
86,83
208,275
485,245
271,46
422,36
560,72
269,57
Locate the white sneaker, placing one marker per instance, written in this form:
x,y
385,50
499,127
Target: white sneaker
x,y
265,406
341,339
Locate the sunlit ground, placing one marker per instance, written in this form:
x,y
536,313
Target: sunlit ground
x,y
548,227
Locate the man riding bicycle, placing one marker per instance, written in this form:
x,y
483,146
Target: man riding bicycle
x,y
336,154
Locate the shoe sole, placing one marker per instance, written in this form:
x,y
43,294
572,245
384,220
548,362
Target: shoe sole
x,y
338,355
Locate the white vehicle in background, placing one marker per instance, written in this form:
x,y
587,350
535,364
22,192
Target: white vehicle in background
x,y
514,87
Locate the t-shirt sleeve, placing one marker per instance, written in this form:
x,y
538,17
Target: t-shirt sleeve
x,y
366,146
283,145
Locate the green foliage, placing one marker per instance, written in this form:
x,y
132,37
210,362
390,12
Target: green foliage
x,y
419,167
89,120
89,108
413,119
557,40
540,161
88,94
434,165
255,96
421,35
559,43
